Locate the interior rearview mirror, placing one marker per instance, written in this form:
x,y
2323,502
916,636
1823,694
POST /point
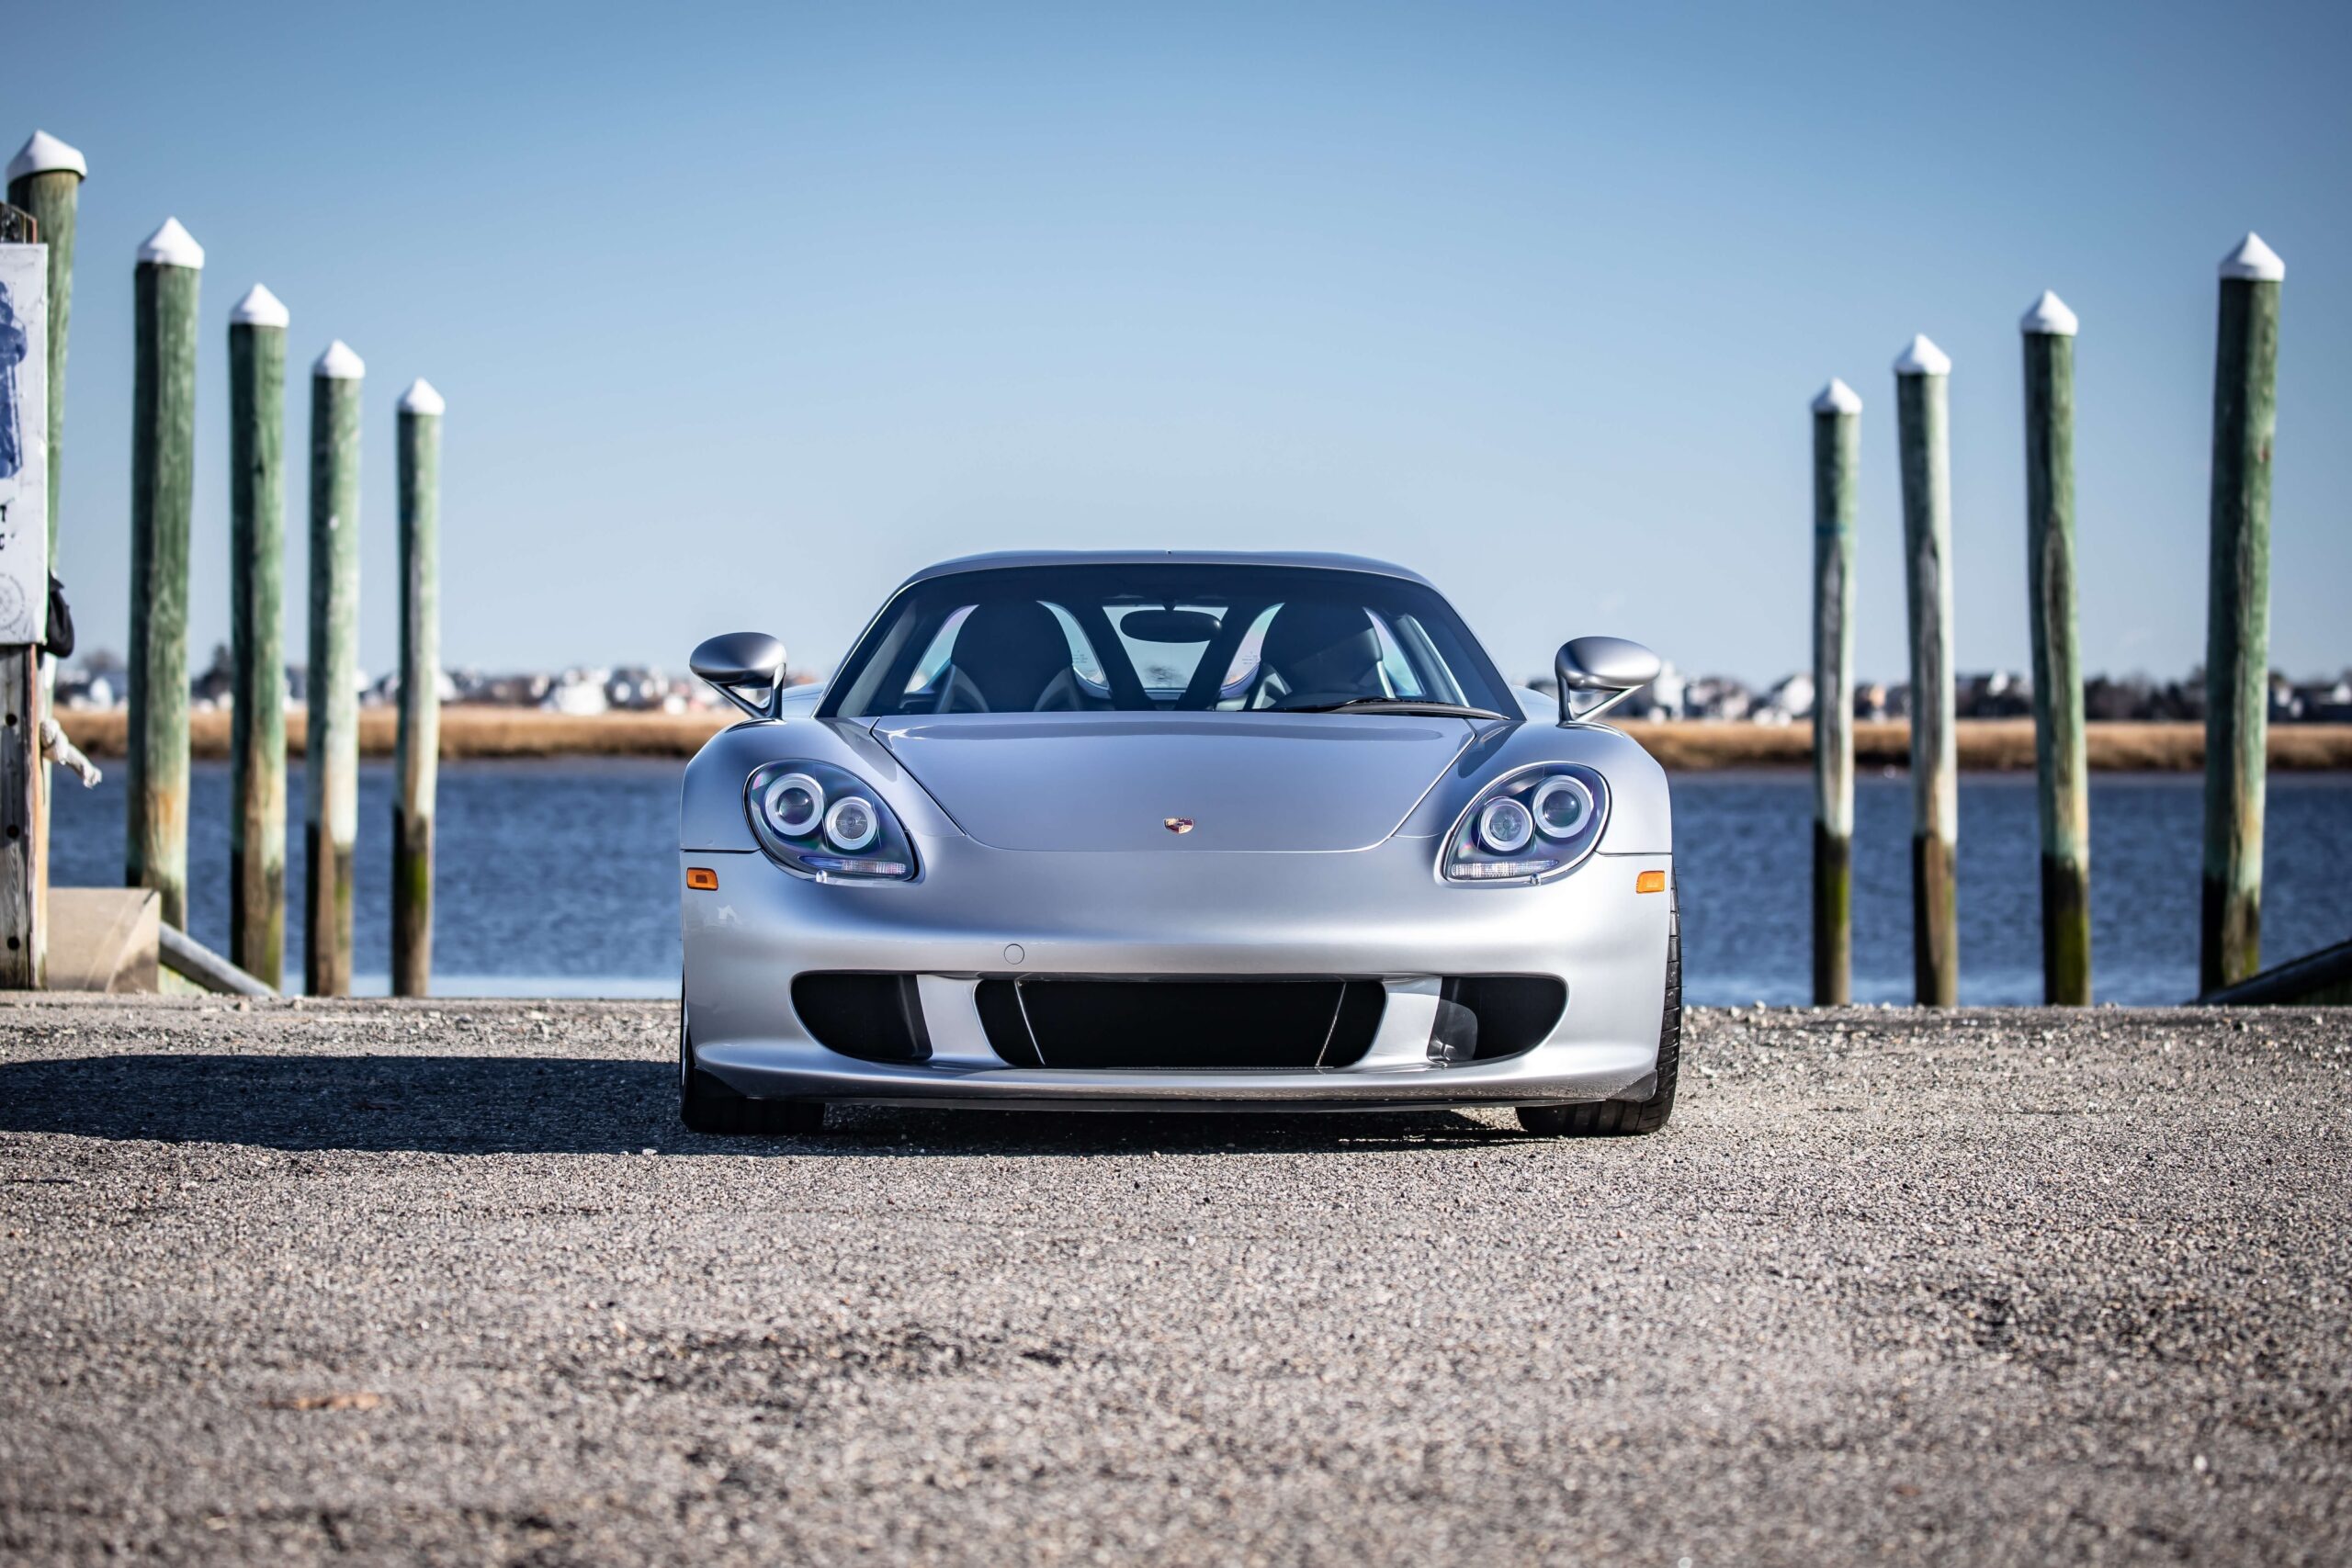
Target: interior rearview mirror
x,y
737,663
1169,626
1595,673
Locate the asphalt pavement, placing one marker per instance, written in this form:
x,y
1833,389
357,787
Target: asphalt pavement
x,y
446,1281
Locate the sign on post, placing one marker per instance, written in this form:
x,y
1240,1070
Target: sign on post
x,y
24,589
24,443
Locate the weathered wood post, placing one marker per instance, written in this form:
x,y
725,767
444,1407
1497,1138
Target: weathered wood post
x,y
1922,377
2237,613
45,180
1837,457
24,595
331,747
419,748
256,621
2062,776
162,476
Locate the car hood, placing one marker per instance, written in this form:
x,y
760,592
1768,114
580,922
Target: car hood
x,y
1110,782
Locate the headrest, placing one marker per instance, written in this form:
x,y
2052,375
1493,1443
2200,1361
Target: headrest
x,y
1010,648
1320,646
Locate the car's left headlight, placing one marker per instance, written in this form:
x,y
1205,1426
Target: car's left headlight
x,y
825,822
1537,823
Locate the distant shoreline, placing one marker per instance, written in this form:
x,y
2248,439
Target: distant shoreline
x,y
1990,745
1987,745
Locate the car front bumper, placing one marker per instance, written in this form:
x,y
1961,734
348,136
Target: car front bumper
x,y
977,912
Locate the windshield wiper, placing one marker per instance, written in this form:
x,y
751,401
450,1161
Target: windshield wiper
x,y
1397,704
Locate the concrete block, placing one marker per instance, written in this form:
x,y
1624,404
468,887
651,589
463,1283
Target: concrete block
x,y
103,939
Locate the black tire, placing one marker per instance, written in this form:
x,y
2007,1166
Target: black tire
x,y
1610,1118
707,1105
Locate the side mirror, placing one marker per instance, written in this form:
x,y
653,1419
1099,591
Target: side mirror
x,y
738,659
1601,672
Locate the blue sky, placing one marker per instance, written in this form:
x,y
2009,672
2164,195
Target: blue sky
x,y
742,313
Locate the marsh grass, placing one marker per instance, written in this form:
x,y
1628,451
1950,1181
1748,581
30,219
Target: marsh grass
x,y
1990,745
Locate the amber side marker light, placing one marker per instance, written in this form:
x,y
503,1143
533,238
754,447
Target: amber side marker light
x,y
1648,882
704,880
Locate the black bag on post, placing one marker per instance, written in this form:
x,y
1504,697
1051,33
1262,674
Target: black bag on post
x,y
60,642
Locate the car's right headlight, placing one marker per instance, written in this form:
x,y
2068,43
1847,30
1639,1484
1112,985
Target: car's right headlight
x,y
825,822
1537,823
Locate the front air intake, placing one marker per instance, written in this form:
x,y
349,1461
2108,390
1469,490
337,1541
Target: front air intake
x,y
875,1018
1156,1025
1482,1017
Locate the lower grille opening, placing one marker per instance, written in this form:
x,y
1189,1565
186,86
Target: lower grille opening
x,y
875,1018
998,1004
1145,1025
1481,1017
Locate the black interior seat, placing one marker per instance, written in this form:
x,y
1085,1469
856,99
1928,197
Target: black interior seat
x,y
1012,656
1320,651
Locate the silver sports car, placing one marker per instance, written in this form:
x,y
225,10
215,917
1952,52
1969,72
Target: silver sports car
x,y
1175,830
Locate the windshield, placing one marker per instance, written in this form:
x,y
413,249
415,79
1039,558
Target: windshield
x,y
1164,636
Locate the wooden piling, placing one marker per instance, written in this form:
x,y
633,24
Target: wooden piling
x,y
1922,376
2062,773
2237,617
257,638
24,933
1837,457
331,754
45,180
162,472
417,753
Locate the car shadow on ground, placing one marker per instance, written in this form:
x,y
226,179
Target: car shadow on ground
x,y
561,1105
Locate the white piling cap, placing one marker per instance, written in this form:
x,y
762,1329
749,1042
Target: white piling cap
x,y
1837,398
260,307
44,153
172,246
420,398
2049,317
1921,358
2255,262
339,364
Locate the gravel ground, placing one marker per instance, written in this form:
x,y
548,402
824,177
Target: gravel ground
x,y
447,1281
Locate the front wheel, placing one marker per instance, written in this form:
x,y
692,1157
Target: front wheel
x,y
1608,1118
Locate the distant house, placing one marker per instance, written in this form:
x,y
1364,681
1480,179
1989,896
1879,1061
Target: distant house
x,y
642,690
528,691
81,689
215,684
386,693
1997,694
1790,700
2138,697
579,693
2324,702
1717,697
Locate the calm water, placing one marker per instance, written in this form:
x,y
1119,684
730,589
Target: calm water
x,y
560,878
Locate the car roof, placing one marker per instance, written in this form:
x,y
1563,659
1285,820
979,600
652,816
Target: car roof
x,y
1000,560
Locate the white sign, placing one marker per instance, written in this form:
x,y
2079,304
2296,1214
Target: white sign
x,y
24,443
